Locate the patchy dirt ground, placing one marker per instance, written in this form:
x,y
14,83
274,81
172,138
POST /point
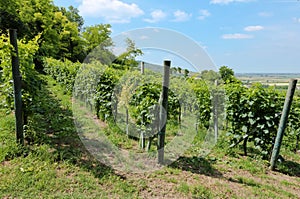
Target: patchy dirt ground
x,y
228,183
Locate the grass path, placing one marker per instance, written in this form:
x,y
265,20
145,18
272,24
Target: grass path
x,y
57,165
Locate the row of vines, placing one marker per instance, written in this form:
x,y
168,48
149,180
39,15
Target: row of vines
x,y
251,114
124,95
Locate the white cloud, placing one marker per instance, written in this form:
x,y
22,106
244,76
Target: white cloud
x,y
237,36
253,28
204,14
296,19
227,1
144,37
181,16
112,11
156,16
265,14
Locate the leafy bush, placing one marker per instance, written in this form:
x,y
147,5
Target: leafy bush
x,y
30,82
64,72
144,104
104,94
253,114
292,137
94,86
203,104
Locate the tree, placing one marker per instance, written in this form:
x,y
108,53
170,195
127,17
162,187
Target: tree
x,y
9,18
96,42
59,28
73,16
173,70
209,75
59,38
96,35
226,73
179,70
131,53
71,45
127,59
186,73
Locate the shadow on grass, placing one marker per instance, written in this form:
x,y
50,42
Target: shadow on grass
x,y
198,165
245,181
52,123
289,168
53,115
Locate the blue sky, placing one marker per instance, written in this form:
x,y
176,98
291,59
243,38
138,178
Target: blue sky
x,y
246,35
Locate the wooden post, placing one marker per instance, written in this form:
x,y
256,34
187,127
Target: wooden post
x,y
215,111
142,67
116,109
163,112
142,139
149,143
127,122
283,121
17,78
142,136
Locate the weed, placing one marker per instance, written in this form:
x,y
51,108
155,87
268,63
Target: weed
x,y
184,188
201,192
247,181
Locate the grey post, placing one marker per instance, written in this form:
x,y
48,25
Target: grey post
x,y
142,67
163,113
142,136
283,121
215,109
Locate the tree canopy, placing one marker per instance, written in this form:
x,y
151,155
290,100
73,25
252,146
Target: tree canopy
x,y
209,75
226,73
62,35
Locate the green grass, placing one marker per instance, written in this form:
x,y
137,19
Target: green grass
x,y
184,188
7,141
195,191
56,164
247,181
38,175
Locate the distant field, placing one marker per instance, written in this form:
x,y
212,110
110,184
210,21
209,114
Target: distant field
x,y
271,79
